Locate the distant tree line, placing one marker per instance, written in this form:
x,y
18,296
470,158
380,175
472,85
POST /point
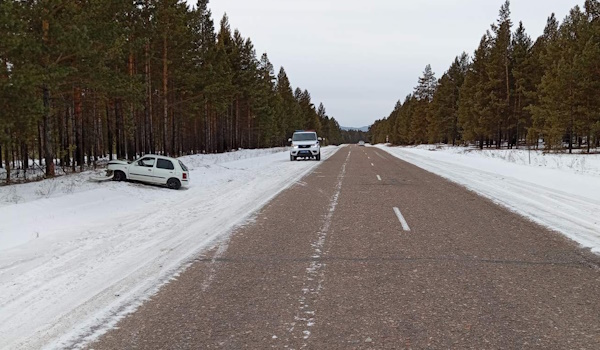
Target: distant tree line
x,y
353,136
513,90
83,79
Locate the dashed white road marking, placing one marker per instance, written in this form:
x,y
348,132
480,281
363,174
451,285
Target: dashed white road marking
x,y
402,220
372,164
378,177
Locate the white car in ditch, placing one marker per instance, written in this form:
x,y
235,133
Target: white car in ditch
x,y
305,144
152,169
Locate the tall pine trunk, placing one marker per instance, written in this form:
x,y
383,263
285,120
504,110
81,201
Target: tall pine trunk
x,y
40,143
118,127
165,98
78,126
109,132
7,160
47,124
571,117
48,152
149,141
61,142
130,146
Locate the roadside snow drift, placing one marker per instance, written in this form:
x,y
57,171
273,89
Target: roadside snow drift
x,y
559,191
75,255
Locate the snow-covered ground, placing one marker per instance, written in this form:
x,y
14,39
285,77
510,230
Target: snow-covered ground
x,y
76,255
559,191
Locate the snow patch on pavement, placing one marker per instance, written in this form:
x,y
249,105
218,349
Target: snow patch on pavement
x,y
313,280
77,255
558,191
213,266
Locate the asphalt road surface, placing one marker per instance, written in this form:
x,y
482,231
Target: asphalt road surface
x,y
370,252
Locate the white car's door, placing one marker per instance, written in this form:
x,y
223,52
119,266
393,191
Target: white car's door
x,y
164,170
143,170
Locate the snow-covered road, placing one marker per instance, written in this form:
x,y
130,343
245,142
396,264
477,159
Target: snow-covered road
x,y
75,255
558,191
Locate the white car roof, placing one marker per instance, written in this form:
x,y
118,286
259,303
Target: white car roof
x,y
157,156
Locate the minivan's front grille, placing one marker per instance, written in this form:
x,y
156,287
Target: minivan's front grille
x,y
304,146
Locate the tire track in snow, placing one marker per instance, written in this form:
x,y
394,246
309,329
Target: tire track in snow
x,y
304,319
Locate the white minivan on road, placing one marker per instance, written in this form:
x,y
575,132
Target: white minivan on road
x,y
305,144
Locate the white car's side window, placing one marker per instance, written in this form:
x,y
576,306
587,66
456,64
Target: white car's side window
x,y
165,164
146,162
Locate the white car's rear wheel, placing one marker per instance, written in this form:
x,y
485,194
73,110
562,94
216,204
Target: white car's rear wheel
x,y
173,184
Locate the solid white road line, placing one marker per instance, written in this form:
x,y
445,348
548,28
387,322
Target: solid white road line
x,y
402,220
378,177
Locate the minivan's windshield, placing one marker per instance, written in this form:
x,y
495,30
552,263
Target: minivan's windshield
x,y
305,136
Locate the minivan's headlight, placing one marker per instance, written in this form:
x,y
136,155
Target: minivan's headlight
x,y
296,147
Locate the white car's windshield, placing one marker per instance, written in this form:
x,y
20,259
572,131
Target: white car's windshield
x,y
305,136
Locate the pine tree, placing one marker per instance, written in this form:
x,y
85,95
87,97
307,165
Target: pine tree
x,y
543,56
290,116
424,93
445,127
404,120
561,93
266,104
499,72
592,74
475,116
524,84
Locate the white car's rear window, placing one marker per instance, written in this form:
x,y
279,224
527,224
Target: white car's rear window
x,y
183,167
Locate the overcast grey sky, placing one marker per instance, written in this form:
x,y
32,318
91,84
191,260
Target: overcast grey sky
x,y
360,57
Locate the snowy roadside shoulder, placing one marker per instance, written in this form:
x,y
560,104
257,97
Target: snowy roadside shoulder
x,y
206,160
54,198
561,192
580,163
72,263
79,182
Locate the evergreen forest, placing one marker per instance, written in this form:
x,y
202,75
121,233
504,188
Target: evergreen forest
x,y
512,92
82,80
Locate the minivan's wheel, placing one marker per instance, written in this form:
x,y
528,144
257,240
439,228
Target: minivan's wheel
x,y
173,184
319,156
292,158
119,176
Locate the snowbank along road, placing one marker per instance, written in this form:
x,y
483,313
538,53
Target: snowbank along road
x,y
76,255
371,252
